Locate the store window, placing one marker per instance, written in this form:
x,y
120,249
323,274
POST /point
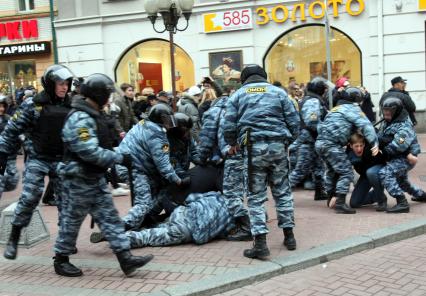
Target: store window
x,y
300,54
26,5
17,74
148,65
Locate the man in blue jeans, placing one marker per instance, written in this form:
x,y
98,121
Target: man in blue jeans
x,y
368,168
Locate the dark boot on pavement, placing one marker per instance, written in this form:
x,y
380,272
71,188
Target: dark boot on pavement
x,y
421,198
12,245
130,263
260,248
341,206
382,205
63,266
320,194
243,232
401,205
289,240
97,237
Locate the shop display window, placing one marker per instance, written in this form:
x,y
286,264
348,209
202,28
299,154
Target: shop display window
x,y
300,54
147,64
17,74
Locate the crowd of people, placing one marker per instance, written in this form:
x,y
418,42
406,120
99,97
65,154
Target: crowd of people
x,y
190,161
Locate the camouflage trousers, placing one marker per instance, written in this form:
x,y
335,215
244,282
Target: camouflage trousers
x,y
173,232
233,185
145,200
269,166
308,162
122,173
292,153
338,168
10,179
83,197
394,177
33,185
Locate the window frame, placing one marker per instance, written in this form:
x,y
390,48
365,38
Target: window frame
x,y
27,4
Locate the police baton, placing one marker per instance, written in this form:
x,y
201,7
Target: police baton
x,y
249,159
132,189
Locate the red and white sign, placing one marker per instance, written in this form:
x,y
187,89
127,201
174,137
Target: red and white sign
x,y
19,30
228,20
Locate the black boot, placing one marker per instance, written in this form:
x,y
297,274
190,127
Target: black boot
x,y
243,230
382,205
260,248
320,194
421,198
97,237
12,245
64,267
289,240
130,263
401,205
341,207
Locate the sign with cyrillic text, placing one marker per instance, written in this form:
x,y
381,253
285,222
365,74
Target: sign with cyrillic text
x,y
230,20
19,30
26,48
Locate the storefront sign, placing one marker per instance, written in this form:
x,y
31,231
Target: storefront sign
x,y
422,4
27,48
228,21
19,30
316,10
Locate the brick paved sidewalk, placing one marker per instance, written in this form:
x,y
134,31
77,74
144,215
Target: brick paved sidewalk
x,y
394,269
32,273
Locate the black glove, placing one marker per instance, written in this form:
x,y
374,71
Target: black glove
x,y
185,182
3,162
127,161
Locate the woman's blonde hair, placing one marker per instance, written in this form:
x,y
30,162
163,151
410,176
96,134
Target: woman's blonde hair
x,y
209,94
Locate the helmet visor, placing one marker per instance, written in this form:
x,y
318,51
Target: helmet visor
x,y
169,121
61,74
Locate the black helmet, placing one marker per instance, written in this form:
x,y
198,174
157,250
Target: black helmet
x,y
252,70
162,115
354,94
53,74
97,87
394,105
183,120
318,85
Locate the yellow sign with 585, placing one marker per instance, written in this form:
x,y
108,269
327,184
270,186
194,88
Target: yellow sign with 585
x,y
316,10
230,20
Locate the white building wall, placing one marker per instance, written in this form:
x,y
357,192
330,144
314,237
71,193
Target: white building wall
x,y
96,43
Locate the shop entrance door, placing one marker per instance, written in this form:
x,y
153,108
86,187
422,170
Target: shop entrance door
x,y
151,76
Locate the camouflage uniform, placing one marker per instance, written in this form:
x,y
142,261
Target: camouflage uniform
x,y
397,139
204,217
10,178
213,146
37,165
84,183
333,136
274,123
312,112
148,145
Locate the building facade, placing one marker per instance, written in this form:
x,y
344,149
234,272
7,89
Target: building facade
x,y
372,41
25,43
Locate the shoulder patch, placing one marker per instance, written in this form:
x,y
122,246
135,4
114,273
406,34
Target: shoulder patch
x,y
166,148
83,134
401,140
142,122
313,117
16,115
256,90
38,107
362,114
335,109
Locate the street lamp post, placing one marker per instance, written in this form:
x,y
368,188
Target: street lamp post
x,y
170,11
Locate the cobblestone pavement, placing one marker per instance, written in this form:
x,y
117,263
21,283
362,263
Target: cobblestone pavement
x,y
32,273
395,269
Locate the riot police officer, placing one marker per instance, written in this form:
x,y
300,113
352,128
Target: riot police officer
x,y
87,157
261,117
41,118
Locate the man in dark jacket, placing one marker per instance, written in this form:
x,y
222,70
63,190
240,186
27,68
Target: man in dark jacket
x,y
398,90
